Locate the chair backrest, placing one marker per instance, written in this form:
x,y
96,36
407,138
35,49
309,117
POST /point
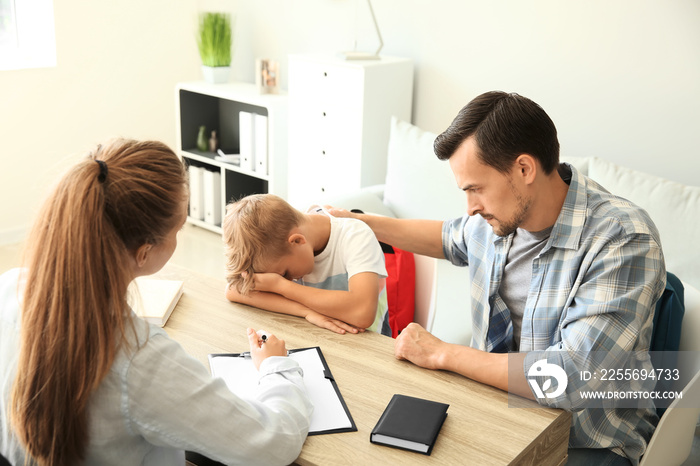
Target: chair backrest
x,y
690,331
673,438
668,316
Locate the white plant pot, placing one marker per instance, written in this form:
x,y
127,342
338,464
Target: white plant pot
x,y
216,74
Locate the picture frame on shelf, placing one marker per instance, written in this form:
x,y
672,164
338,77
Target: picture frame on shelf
x,y
267,76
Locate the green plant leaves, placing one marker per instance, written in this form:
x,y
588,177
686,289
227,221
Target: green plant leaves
x,y
214,39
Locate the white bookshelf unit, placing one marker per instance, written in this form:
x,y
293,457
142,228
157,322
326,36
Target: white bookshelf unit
x,y
217,107
339,121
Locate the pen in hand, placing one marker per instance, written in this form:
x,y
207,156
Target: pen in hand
x,y
247,354
263,345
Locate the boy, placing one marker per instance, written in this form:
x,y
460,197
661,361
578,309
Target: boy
x,y
325,269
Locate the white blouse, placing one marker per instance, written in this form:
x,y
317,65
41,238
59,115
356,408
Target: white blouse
x,y
158,401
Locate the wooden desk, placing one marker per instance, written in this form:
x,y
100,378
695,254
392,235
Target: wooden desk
x,y
480,427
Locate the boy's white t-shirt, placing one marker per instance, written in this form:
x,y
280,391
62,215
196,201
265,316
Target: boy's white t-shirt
x,y
352,248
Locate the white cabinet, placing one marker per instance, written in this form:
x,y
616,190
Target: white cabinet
x,y
218,107
339,119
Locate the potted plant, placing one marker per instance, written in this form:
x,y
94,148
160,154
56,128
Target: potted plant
x,y
214,42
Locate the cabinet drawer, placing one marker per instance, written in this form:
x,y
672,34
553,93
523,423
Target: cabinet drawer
x,y
315,113
326,84
327,129
317,174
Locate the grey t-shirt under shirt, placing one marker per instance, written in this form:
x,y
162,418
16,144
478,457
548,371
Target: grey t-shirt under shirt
x,y
526,245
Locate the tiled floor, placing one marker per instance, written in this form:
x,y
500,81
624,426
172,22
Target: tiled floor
x,y
202,250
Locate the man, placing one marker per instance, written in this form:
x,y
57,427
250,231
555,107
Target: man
x,y
559,267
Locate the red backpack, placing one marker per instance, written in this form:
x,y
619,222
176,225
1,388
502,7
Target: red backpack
x,y
400,287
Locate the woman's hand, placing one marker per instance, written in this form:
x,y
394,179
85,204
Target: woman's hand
x,y
262,349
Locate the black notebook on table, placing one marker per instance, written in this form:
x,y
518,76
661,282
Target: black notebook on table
x,y
410,423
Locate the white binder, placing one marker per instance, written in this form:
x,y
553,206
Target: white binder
x,y
260,145
212,197
196,192
246,139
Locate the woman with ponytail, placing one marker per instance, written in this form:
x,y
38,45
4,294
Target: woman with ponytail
x,y
85,381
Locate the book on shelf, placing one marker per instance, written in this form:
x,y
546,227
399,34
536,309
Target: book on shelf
x,y
212,197
196,192
260,145
410,423
154,299
246,134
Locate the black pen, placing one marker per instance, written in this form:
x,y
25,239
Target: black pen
x,y
247,353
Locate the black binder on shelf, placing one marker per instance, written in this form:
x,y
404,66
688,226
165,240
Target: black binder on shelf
x,y
330,415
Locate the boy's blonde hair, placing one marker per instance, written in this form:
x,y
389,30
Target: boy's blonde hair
x,y
256,229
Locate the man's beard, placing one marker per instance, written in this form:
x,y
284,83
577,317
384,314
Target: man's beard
x,y
506,228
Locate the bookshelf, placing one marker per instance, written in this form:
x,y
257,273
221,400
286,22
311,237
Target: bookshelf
x,y
217,107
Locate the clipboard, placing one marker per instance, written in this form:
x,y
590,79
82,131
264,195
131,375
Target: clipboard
x,y
330,415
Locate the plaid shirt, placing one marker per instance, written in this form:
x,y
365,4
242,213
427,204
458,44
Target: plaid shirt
x,y
593,290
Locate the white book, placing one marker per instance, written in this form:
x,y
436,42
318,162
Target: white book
x,y
212,197
246,139
260,145
154,299
196,192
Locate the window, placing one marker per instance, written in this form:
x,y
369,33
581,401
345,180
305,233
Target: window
x,y
8,25
27,37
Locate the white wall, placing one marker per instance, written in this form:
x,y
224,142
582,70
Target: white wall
x,y
621,79
118,63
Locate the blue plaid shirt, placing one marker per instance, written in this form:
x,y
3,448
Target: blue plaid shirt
x,y
594,286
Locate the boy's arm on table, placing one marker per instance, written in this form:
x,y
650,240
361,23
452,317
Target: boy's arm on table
x,y
357,306
277,303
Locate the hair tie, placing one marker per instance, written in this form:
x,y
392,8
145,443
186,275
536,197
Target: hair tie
x,y
103,171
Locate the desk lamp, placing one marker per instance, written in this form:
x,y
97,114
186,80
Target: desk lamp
x,y
355,55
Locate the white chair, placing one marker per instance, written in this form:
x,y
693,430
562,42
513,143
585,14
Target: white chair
x,y
673,438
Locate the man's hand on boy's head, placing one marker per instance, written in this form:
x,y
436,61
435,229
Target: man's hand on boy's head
x,y
329,323
315,208
338,212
